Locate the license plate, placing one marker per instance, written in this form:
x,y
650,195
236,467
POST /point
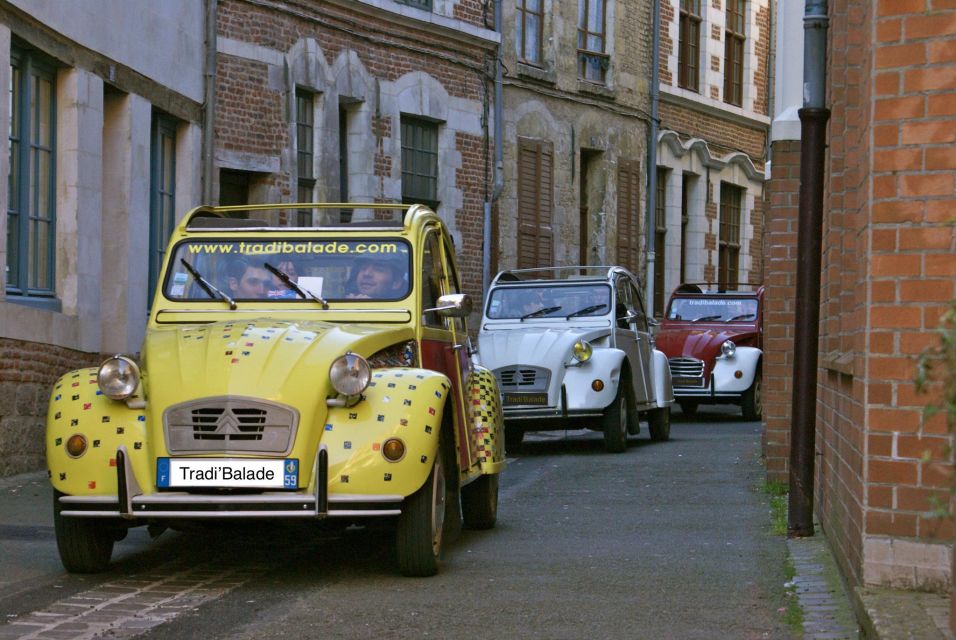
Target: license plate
x,y
241,473
684,381
526,398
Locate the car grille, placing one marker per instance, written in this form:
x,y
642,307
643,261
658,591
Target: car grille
x,y
523,378
686,367
230,425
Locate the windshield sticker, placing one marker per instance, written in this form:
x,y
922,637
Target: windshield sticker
x,y
300,248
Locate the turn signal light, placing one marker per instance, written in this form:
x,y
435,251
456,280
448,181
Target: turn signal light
x,y
738,374
76,445
597,385
393,449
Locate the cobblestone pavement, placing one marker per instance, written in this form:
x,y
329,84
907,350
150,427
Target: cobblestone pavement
x,y
830,613
827,612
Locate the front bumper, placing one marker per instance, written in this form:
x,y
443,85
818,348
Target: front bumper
x,y
132,504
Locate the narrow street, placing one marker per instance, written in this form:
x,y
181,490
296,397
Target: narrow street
x,y
668,540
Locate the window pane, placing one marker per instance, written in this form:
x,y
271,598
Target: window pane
x,y
44,112
582,14
596,43
596,16
532,43
44,186
14,102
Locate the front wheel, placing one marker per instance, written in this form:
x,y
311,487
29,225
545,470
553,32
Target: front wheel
x,y
615,423
479,502
420,527
659,423
85,544
751,403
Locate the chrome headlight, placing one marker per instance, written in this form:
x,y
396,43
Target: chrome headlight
x,y
728,348
350,374
118,378
582,351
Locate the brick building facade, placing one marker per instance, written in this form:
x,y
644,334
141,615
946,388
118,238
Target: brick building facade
x,y
888,273
575,129
305,101
82,108
712,145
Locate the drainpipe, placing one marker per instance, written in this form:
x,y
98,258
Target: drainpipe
x,y
209,108
499,162
652,152
813,130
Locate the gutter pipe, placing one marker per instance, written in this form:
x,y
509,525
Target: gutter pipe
x,y
209,108
652,153
813,131
499,179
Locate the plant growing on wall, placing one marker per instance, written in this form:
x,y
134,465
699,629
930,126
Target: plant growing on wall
x,y
938,365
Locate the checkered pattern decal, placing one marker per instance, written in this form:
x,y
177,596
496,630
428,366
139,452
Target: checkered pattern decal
x,y
486,413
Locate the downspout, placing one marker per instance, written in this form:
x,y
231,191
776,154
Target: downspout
x,y
813,133
209,107
652,152
499,162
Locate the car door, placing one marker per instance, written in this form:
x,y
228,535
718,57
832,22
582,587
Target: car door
x,y
631,335
441,342
627,338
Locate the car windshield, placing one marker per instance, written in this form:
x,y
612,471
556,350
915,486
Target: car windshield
x,y
549,301
327,268
713,309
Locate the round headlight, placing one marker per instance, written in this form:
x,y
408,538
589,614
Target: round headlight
x,y
582,351
118,378
350,374
728,348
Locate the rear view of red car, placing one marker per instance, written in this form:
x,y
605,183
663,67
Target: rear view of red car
x,y
713,340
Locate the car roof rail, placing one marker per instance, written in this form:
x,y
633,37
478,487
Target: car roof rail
x,y
554,273
283,216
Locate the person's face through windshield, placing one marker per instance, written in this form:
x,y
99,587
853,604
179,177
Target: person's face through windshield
x,y
377,279
251,284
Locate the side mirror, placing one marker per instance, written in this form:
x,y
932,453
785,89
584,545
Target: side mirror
x,y
453,305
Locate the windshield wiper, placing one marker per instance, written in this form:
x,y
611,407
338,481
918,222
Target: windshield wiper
x,y
287,281
742,316
708,318
585,311
540,312
207,286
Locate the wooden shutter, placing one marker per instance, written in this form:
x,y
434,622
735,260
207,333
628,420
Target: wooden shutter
x,y
535,186
628,213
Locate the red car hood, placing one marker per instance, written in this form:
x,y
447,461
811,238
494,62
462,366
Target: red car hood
x,y
701,342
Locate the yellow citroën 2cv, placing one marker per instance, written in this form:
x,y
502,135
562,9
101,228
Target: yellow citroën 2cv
x,y
290,370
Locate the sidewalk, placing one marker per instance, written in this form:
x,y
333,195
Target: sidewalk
x,y
869,613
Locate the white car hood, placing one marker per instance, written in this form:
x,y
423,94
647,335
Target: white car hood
x,y
540,346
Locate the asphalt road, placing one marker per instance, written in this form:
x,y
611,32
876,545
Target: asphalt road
x,y
666,540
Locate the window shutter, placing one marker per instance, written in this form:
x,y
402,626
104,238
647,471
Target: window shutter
x,y
628,213
535,185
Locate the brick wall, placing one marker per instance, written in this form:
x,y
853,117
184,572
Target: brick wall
x,y
762,59
780,260
912,258
27,373
667,43
722,135
888,270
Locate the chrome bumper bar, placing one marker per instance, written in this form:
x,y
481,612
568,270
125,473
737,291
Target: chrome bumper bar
x,y
131,503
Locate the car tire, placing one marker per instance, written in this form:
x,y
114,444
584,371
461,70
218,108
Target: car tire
x,y
659,424
85,544
479,502
614,423
751,403
420,532
688,408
